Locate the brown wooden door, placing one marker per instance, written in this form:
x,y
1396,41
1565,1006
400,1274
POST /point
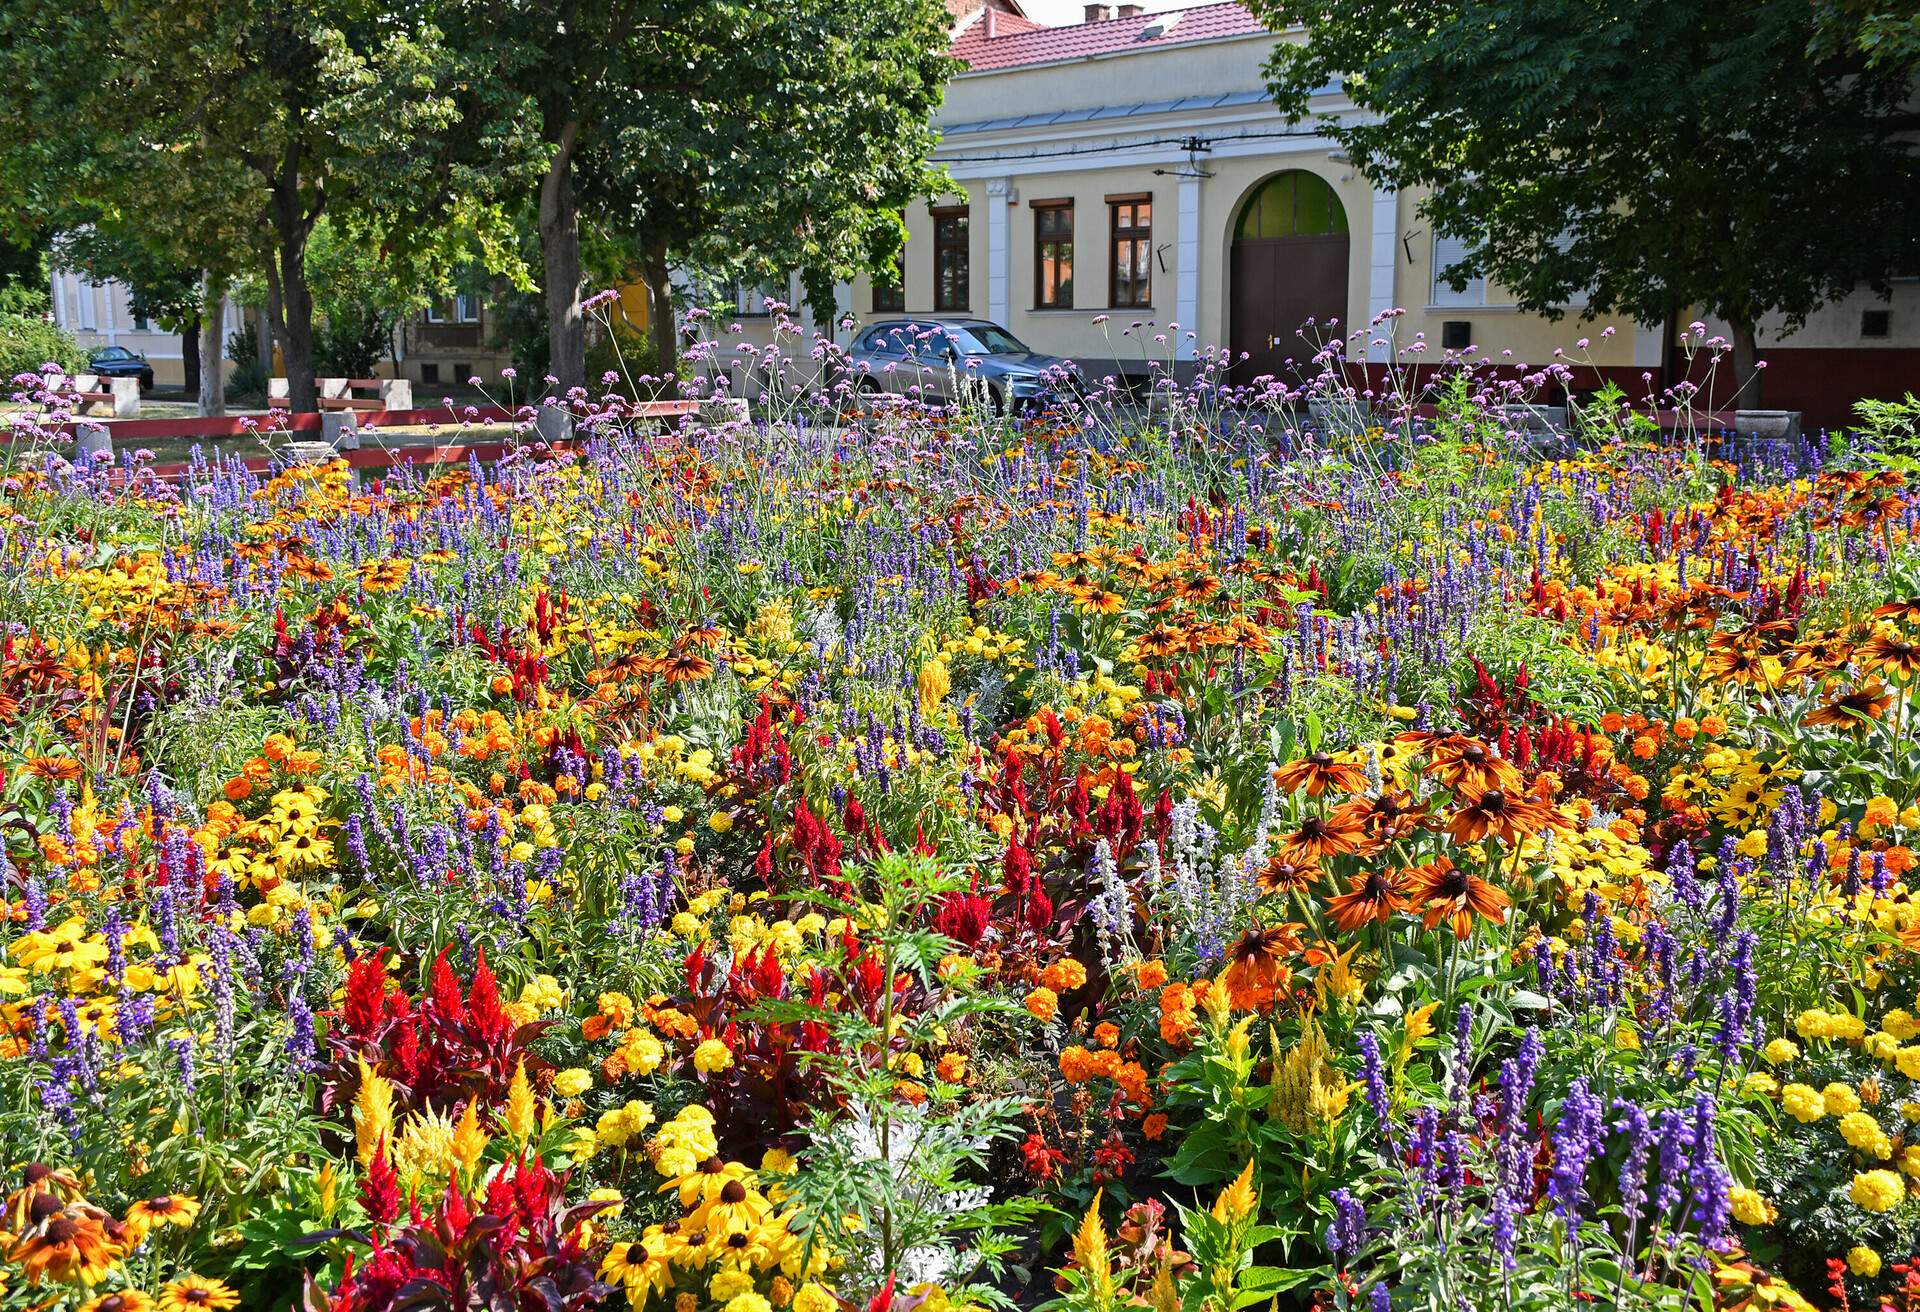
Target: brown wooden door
x,y
1278,284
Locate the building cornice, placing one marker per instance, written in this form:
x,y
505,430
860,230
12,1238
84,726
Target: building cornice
x,y
1151,48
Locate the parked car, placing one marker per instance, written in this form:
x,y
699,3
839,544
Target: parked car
x,y
924,358
119,362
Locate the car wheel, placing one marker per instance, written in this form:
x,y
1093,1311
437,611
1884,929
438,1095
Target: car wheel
x,y
146,382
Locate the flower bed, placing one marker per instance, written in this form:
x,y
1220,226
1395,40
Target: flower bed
x,y
965,862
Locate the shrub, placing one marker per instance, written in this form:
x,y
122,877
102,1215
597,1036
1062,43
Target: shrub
x,y
28,341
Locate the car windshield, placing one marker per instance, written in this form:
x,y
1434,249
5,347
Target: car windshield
x,y
987,339
113,353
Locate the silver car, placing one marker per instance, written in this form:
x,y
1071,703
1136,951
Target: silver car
x,y
933,360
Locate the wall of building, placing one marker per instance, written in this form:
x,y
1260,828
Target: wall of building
x,y
101,314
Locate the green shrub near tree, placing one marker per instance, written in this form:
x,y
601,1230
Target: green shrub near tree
x,y
28,341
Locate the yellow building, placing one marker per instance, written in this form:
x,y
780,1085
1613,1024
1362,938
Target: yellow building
x,y
1131,169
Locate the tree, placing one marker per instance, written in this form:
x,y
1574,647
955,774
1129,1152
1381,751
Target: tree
x,y
1884,33
808,138
224,129
782,135
1657,155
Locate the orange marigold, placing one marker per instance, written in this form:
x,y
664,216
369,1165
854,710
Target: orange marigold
x,y
1043,1004
1064,975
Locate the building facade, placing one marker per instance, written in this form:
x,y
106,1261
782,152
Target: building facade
x,y
101,314
1131,169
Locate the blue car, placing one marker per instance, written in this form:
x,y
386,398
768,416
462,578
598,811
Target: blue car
x,y
931,359
119,362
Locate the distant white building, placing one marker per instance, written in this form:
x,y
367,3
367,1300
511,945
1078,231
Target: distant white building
x,y
101,314
1133,167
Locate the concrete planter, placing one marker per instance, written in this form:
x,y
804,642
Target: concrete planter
x,y
725,410
318,453
1328,417
1767,423
1534,418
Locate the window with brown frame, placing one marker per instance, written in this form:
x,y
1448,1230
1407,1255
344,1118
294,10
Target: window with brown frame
x,y
1053,255
1130,230
952,259
889,293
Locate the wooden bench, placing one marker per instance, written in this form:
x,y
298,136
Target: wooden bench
x,y
338,394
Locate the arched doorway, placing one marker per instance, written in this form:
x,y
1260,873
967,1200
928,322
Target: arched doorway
x,y
1289,265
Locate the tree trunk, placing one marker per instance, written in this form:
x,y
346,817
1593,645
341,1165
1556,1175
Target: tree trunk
x,y
661,323
294,328
190,355
213,373
1746,377
263,340
560,252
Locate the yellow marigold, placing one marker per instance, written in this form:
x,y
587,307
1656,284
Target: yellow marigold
x,y
572,1082
1862,1132
1840,1098
1749,1208
814,1297
1781,1051
711,1057
1878,1190
728,1283
1901,1024
1043,1004
1803,1102
1863,1261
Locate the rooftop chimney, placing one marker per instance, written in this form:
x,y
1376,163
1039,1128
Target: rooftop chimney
x,y
1131,11
1098,13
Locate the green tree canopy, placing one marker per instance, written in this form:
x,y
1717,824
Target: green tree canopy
x,y
752,136
1653,155
218,132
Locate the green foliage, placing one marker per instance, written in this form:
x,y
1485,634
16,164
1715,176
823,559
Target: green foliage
x,y
1889,427
1666,209
28,341
300,110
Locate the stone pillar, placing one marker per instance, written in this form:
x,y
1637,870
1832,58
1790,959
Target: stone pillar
x,y
90,440
396,393
126,397
1382,264
1001,196
1186,295
338,430
279,394
553,423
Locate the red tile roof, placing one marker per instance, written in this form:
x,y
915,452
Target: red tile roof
x,y
961,10
1011,46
